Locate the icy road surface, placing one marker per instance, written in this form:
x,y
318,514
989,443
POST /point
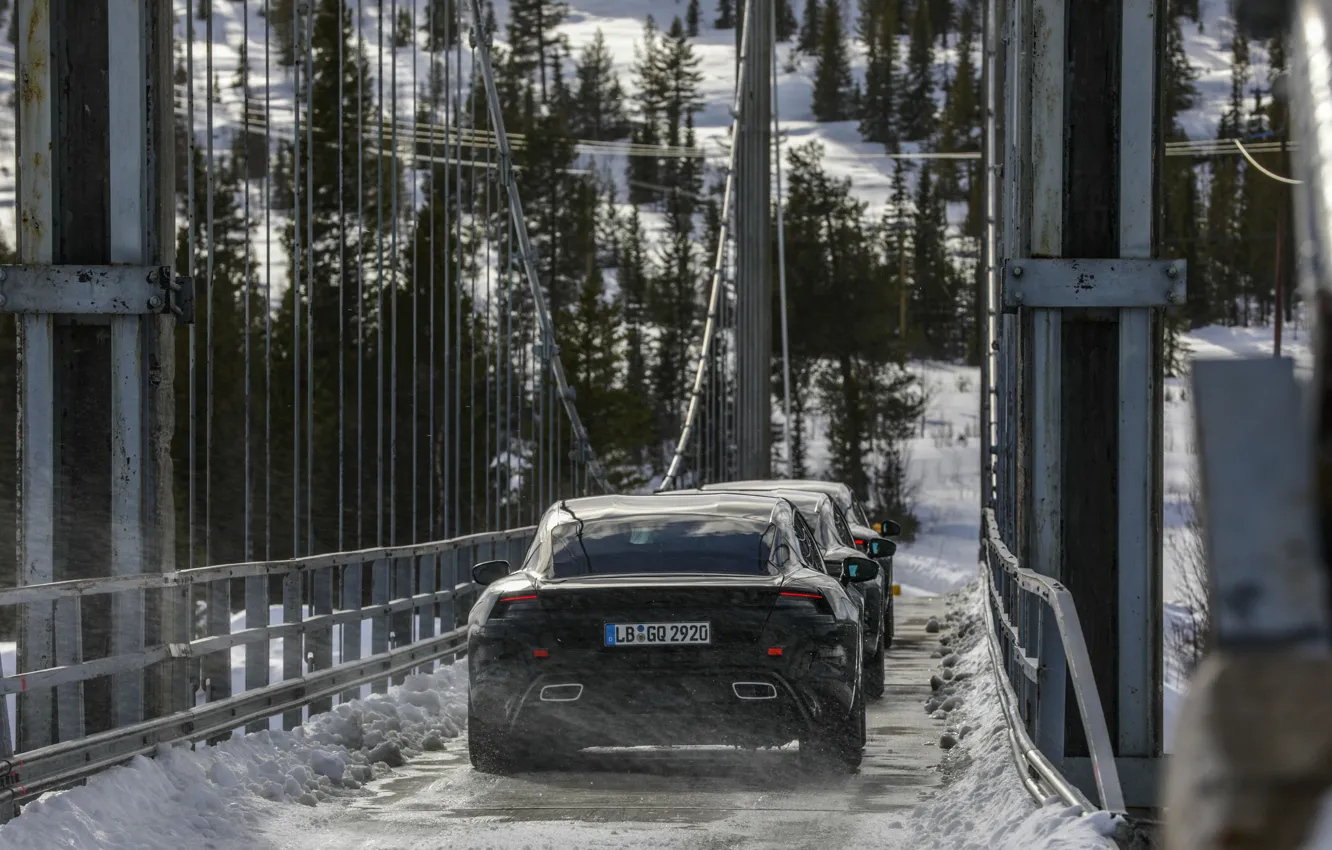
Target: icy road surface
x,y
695,798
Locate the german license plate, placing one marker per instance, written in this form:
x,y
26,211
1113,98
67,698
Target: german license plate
x,y
657,634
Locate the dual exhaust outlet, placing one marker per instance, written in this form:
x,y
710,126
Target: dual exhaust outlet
x,y
742,690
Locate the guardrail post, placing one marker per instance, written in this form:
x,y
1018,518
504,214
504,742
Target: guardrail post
x,y
257,616
448,580
320,640
1052,689
293,660
351,631
379,627
427,572
404,580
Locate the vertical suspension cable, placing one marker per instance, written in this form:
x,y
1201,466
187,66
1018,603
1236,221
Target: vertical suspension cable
x,y
781,252
416,356
478,257
509,507
458,288
191,223
342,286
360,274
379,284
452,35
484,328
296,288
208,331
245,187
432,49
268,299
309,285
393,274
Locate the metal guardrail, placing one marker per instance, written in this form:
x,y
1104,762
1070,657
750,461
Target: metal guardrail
x,y
1037,647
412,588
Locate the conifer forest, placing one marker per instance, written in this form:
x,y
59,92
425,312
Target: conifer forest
x,y
624,249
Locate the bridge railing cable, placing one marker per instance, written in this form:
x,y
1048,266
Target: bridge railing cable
x,y
715,288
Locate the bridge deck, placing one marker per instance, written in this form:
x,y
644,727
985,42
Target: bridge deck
x,y
692,798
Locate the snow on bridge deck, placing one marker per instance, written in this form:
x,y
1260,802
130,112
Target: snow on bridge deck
x,y
688,798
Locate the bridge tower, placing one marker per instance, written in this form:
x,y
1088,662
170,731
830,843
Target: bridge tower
x,y
94,297
1077,298
754,266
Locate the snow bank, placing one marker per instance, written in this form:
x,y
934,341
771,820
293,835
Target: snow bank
x,y
985,805
196,797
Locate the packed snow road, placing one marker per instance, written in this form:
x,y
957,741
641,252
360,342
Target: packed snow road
x,y
690,798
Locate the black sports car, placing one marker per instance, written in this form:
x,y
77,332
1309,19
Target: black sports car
x,y
870,537
676,619
831,530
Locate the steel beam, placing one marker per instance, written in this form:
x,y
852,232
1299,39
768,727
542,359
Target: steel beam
x,y
753,252
36,714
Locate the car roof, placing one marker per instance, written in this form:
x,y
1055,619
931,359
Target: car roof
x,y
739,505
800,498
831,488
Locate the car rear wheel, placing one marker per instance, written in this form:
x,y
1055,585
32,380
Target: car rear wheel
x,y
488,748
838,746
874,667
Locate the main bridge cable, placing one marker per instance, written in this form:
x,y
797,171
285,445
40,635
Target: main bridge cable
x,y
723,234
584,445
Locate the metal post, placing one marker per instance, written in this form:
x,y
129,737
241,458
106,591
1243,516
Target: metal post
x,y
128,124
1140,410
754,255
36,715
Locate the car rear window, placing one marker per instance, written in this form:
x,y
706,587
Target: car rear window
x,y
641,545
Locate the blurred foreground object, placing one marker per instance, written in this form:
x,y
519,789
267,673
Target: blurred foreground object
x,y
1253,757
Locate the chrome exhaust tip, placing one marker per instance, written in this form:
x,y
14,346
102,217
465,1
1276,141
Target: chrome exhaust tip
x,y
561,693
754,690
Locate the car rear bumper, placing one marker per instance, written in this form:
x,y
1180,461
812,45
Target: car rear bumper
x,y
591,706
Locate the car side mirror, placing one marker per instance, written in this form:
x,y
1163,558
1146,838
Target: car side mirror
x,y
888,528
882,548
859,569
489,572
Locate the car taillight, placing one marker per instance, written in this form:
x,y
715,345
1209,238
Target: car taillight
x,y
508,606
799,599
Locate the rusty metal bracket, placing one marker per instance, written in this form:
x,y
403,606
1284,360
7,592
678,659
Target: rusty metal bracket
x,y
1094,283
95,290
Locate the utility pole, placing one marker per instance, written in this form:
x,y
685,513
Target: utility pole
x,y
1079,358
754,252
95,294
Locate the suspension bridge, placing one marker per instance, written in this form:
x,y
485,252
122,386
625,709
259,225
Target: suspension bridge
x,y
408,398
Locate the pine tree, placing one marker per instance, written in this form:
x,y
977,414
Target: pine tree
x,y
535,48
1183,204
832,72
692,14
441,25
644,171
725,15
916,107
878,109
598,103
941,19
811,37
230,286
786,21
634,270
281,18
835,284
402,29
960,130
592,350
933,297
897,230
